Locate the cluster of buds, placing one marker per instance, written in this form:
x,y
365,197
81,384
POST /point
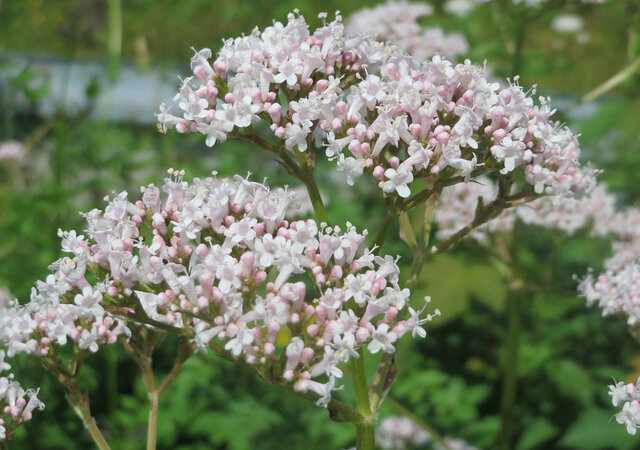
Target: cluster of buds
x,y
629,396
216,262
375,109
397,22
16,404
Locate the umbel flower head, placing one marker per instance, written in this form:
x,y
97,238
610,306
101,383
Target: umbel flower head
x,y
216,262
374,109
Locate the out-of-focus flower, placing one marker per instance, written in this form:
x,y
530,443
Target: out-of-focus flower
x,y
12,150
396,22
567,23
16,404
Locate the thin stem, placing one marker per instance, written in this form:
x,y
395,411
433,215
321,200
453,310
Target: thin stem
x,y
365,434
114,37
152,427
79,401
385,228
175,371
608,85
142,356
153,395
422,251
360,384
510,371
488,213
401,409
316,198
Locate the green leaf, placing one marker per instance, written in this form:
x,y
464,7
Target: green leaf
x,y
594,430
452,281
572,380
537,433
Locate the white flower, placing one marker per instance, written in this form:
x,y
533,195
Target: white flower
x,y
398,180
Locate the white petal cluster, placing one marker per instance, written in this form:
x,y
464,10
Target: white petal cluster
x,y
375,109
16,404
629,396
617,290
400,432
397,22
217,262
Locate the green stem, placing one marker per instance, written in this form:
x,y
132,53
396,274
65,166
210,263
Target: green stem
x,y
510,371
365,437
79,401
153,395
365,434
489,212
114,24
385,228
152,428
303,172
422,251
608,85
316,199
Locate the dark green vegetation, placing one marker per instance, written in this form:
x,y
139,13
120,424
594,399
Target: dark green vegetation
x,y
451,380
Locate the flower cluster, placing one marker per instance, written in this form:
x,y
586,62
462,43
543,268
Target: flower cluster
x,y
16,404
459,204
617,290
376,110
463,7
64,307
396,22
12,150
629,395
217,262
399,433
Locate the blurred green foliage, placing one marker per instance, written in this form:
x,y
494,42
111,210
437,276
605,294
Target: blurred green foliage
x,y
451,379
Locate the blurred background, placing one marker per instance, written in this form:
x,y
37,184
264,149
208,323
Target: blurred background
x,y
79,83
